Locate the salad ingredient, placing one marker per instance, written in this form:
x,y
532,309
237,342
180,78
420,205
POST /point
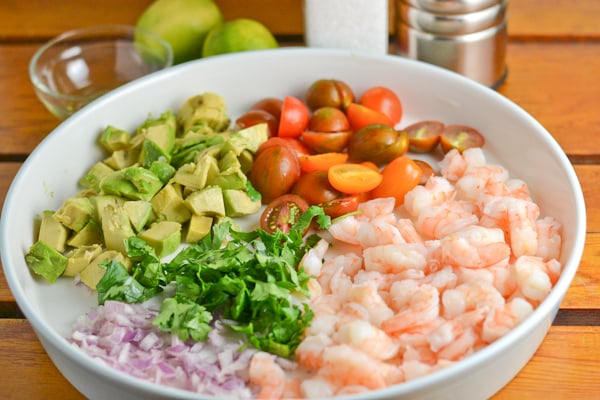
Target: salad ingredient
x,y
360,116
460,137
384,100
377,143
398,178
424,136
326,142
329,93
321,162
46,261
254,117
426,168
242,34
275,171
294,117
164,237
272,105
282,213
314,187
353,178
52,233
328,119
341,205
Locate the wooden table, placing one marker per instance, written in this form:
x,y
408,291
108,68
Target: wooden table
x,y
554,64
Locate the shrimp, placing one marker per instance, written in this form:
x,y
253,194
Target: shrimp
x,y
362,335
549,238
501,320
436,191
475,247
309,352
268,375
377,207
463,344
469,296
414,304
533,277
451,216
454,164
367,295
394,258
350,262
316,387
481,180
312,261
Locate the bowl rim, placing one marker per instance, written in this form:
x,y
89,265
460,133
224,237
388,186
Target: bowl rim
x,y
109,28
539,315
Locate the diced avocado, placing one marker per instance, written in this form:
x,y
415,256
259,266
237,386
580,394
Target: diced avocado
x,y
93,177
168,205
115,227
246,160
238,203
104,200
163,236
79,258
139,213
135,183
207,201
92,274
163,170
152,152
46,261
198,228
75,213
112,139
247,139
228,160
233,178
196,175
52,232
90,234
121,159
192,143
204,109
160,132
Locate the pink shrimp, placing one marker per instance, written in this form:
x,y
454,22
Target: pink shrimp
x,y
364,336
501,320
394,258
309,352
549,238
367,295
415,303
535,277
312,262
268,375
435,192
475,247
454,164
469,296
439,221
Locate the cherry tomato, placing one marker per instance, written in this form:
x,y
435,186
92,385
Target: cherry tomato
x,y
274,172
370,164
460,137
427,169
294,117
294,144
377,143
328,119
353,178
321,162
384,100
254,117
424,136
314,187
282,213
326,142
329,93
360,116
340,206
272,105
399,177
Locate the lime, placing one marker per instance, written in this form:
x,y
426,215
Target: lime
x,y
184,24
241,34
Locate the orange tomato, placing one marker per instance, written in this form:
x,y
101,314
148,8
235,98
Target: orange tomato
x,y
360,115
353,178
321,162
399,177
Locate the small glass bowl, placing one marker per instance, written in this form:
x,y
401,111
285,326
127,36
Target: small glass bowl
x,y
78,66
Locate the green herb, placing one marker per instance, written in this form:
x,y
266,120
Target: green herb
x,y
247,279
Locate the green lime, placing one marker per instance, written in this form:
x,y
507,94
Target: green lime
x,y
184,24
238,35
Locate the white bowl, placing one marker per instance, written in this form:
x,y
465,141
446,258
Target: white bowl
x,y
513,137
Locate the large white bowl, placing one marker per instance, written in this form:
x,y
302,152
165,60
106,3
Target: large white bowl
x,y
514,139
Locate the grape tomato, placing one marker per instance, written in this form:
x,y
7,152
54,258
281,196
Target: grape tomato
x,y
384,100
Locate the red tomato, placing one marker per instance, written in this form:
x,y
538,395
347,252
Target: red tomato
x,y
282,213
328,119
399,177
271,105
254,117
326,142
353,178
329,92
294,144
294,117
360,116
384,100
274,172
340,206
314,187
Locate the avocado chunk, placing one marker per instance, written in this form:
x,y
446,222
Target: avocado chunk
x,y
196,175
247,139
152,152
135,183
52,232
164,237
192,143
238,203
92,179
121,159
78,259
90,234
163,170
92,274
46,261
204,109
104,200
207,201
198,228
112,139
232,178
168,205
139,213
115,227
161,131
75,213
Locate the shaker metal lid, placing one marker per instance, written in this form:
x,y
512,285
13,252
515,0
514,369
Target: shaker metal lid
x,y
453,6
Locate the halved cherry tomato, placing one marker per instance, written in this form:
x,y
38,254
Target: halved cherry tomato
x,y
329,93
326,142
328,119
294,144
282,213
370,164
384,100
424,136
460,137
274,172
321,162
272,105
377,143
360,116
399,177
294,117
427,169
314,187
340,206
353,178
255,117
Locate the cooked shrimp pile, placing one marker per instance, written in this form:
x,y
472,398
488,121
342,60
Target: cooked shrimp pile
x,y
400,293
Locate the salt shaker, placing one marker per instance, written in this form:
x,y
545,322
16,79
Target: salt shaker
x,y
359,25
